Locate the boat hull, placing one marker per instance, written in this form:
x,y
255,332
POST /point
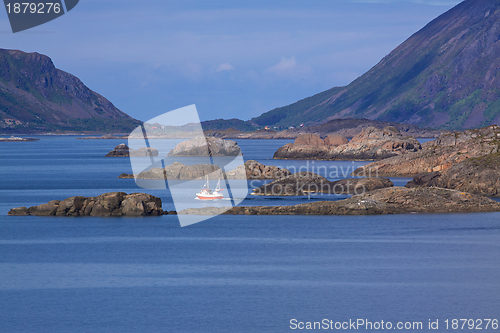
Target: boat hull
x,y
210,197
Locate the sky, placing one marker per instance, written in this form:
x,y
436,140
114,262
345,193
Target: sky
x,y
233,59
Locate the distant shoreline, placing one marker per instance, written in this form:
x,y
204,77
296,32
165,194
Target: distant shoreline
x,y
17,139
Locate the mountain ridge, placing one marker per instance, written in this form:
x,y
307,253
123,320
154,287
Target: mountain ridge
x,y
445,76
37,97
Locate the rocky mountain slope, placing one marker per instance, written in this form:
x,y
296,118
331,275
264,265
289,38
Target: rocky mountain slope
x,y
36,97
447,75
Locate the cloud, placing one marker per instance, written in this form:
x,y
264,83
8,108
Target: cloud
x,y
225,67
283,66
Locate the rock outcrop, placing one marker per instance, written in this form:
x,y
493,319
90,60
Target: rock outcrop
x,y
439,155
251,170
122,150
256,170
305,183
371,144
108,204
180,171
309,146
359,185
300,183
206,146
395,200
473,175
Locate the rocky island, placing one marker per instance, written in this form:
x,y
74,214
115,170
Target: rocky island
x,y
122,150
17,139
108,204
206,146
371,144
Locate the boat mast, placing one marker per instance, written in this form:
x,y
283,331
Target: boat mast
x,y
207,185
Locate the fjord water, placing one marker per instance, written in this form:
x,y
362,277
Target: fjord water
x,y
229,273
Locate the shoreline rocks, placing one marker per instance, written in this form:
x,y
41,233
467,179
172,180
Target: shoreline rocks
x,y
474,175
393,200
107,204
305,183
371,144
448,150
122,150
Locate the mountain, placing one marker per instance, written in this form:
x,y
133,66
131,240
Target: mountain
x,y
446,76
223,124
36,97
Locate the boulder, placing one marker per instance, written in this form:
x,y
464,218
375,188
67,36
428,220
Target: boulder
x,y
122,150
334,140
206,146
310,146
143,152
393,200
448,150
300,183
200,171
256,170
126,176
371,144
358,185
19,211
375,144
309,140
107,204
427,179
473,175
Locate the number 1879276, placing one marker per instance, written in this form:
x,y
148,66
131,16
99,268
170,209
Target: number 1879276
x,y
33,8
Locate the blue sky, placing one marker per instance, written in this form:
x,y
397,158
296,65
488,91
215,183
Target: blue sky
x,y
233,59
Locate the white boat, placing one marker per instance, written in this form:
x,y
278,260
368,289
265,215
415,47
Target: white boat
x,y
207,194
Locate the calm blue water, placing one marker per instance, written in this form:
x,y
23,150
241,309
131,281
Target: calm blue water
x,y
230,273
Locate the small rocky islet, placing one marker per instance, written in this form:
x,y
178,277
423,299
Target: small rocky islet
x,y
107,204
18,139
122,150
